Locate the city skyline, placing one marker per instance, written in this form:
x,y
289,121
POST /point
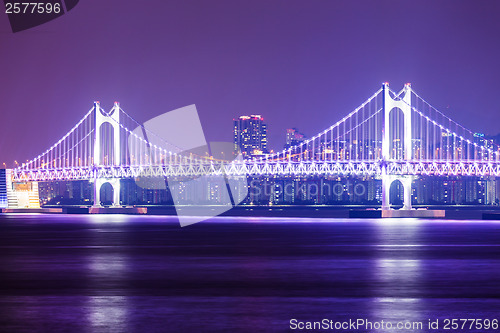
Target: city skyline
x,y
318,61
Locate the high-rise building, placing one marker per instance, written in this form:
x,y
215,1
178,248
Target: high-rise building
x,y
485,146
293,137
3,189
250,135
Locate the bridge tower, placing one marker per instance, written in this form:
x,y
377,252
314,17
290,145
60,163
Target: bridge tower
x,y
404,105
112,118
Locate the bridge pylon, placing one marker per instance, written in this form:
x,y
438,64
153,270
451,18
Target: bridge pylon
x,y
404,104
112,118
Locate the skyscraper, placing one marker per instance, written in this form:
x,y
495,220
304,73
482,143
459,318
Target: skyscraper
x,y
293,137
250,135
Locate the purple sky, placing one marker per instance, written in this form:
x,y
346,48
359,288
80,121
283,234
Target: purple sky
x,y
300,64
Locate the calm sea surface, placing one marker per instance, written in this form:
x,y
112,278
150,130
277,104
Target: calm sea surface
x,y
116,273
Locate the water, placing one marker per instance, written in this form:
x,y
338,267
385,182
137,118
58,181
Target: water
x,y
115,273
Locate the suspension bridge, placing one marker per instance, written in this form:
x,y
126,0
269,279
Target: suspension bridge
x,y
395,136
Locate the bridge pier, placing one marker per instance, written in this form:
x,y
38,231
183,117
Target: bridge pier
x,y
387,181
115,184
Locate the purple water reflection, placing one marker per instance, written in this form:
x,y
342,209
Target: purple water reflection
x,y
145,273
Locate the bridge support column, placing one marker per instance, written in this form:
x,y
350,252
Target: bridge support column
x,y
406,181
115,184
387,181
386,186
97,194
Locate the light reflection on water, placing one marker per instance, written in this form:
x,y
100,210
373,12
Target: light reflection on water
x,y
144,273
107,313
397,277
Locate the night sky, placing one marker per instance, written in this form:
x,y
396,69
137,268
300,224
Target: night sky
x,y
302,64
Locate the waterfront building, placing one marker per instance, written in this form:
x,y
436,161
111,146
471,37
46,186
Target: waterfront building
x,y
250,135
